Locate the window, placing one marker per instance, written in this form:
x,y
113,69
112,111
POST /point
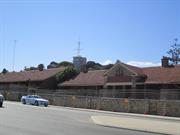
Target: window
x,y
119,72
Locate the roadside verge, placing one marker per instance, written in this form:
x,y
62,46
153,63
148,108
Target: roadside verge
x,y
138,124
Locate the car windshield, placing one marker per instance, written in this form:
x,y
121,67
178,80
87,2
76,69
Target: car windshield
x,y
36,96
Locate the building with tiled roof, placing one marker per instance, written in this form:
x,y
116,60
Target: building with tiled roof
x,y
32,75
91,78
121,81
30,79
126,81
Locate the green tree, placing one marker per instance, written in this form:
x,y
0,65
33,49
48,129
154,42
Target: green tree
x,y
90,64
174,53
93,65
65,64
53,64
67,74
31,68
4,71
108,66
40,67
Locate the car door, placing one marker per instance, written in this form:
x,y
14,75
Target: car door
x,y
32,99
27,99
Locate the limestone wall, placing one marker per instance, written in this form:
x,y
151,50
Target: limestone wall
x,y
143,106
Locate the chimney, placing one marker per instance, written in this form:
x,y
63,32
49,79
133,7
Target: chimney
x,y
165,61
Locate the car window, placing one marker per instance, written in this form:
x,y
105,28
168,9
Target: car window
x,y
37,97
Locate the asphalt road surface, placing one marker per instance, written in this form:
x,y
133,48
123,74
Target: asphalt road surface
x,y
19,119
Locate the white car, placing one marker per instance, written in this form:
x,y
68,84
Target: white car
x,y
1,100
34,100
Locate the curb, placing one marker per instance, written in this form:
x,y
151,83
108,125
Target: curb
x,y
100,123
144,131
177,119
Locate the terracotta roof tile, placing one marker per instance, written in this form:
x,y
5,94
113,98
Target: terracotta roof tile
x,y
33,75
91,78
97,77
153,74
137,70
162,75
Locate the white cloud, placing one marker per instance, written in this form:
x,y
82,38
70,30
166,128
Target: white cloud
x,y
143,63
107,62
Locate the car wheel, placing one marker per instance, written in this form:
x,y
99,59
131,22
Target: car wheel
x,y
24,101
45,105
36,103
1,104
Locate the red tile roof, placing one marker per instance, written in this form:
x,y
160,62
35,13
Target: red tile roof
x,y
33,75
152,74
97,77
162,75
137,70
91,78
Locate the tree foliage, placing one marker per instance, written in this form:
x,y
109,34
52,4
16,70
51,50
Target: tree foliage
x,y
91,65
174,53
54,64
40,67
65,64
67,74
4,71
108,66
31,68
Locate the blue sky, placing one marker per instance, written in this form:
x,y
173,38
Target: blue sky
x,y
134,31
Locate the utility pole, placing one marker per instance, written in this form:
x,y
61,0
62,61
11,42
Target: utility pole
x,y
14,54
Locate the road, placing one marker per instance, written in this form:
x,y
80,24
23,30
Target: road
x,y
18,119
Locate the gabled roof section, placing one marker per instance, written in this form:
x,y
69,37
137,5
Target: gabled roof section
x,y
152,75
134,70
33,75
162,74
91,78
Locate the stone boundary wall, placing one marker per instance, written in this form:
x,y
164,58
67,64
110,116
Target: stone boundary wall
x,y
142,106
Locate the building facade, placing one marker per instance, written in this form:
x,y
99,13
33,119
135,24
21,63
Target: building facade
x,y
126,81
29,80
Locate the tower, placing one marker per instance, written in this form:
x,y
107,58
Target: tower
x,y
79,61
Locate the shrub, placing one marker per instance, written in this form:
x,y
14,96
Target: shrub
x,y
67,74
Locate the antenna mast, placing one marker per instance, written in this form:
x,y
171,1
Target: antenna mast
x,y
79,48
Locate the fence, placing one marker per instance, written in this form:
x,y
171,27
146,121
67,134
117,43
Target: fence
x,y
165,94
143,106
